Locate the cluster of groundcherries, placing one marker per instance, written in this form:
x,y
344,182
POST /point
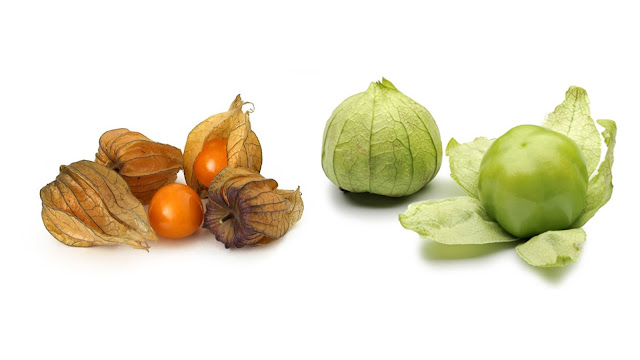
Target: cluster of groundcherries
x,y
176,210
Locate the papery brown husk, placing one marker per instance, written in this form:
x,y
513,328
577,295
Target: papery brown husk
x,y
89,204
244,208
144,164
243,147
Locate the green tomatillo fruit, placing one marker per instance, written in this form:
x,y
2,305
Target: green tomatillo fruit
x,y
533,180
382,142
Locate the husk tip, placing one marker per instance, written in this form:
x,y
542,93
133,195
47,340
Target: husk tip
x,y
386,83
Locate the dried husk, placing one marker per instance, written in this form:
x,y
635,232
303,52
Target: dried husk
x,y
89,204
144,164
243,147
244,208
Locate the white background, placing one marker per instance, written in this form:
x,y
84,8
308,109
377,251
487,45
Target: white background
x,y
347,281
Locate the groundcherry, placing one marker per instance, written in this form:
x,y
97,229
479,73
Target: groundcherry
x,y
175,211
210,160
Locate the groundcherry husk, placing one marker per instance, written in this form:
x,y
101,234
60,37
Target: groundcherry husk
x,y
243,147
89,204
245,208
144,164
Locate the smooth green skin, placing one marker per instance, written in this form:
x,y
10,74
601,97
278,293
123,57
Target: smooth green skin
x,y
533,180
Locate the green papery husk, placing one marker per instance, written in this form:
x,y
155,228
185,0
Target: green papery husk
x,y
464,161
381,141
454,221
553,248
600,185
573,119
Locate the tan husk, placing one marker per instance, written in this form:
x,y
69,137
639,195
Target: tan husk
x,y
89,204
144,164
243,147
244,208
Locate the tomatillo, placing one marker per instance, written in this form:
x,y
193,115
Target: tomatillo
x,y
533,180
